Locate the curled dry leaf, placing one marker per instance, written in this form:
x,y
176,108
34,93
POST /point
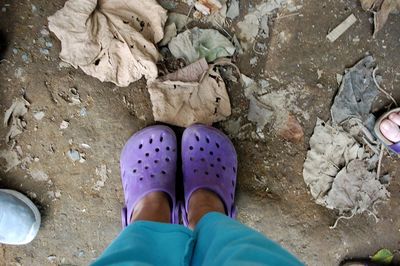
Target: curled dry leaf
x,y
112,40
381,9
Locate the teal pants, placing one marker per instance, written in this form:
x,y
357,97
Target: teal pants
x,y
217,240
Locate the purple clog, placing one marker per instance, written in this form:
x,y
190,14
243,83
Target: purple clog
x,y
209,161
148,164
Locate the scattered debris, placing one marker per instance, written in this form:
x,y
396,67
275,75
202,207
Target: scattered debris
x,y
102,172
206,7
291,130
193,44
38,175
341,28
200,98
381,10
64,125
84,146
233,10
11,158
257,22
123,50
275,108
14,117
175,23
38,115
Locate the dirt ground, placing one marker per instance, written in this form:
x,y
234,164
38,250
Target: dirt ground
x,y
81,218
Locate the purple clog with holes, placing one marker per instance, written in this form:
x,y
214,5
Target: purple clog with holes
x,y
209,161
148,164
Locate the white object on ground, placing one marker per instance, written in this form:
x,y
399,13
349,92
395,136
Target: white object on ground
x,y
341,28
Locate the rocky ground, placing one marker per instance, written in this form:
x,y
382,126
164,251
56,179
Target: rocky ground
x,y
80,201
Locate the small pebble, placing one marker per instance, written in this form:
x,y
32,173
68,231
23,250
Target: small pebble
x,y
64,124
83,112
34,8
49,44
45,32
25,58
44,51
15,51
38,115
74,155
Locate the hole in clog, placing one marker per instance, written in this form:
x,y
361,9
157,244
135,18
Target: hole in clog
x,y
157,149
191,158
223,168
167,148
140,161
147,154
134,170
211,153
140,146
155,161
207,140
234,169
206,173
218,159
191,148
197,138
217,175
146,167
173,149
141,178
150,141
195,171
233,183
203,160
152,176
212,165
161,138
201,149
167,159
217,144
163,172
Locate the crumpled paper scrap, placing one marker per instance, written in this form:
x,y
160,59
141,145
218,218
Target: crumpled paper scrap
x,y
112,40
194,94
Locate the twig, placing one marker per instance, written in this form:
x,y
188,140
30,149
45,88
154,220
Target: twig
x,y
188,15
378,170
342,217
288,15
380,88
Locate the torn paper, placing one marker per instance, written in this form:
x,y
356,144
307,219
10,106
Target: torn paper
x,y
183,103
111,40
193,44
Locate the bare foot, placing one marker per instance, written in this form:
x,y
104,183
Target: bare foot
x,y
390,127
201,202
153,207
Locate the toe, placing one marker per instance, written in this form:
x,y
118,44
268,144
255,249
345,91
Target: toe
x,y
390,130
395,117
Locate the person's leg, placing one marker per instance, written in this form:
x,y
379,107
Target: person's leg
x,y
148,168
209,176
150,239
220,240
